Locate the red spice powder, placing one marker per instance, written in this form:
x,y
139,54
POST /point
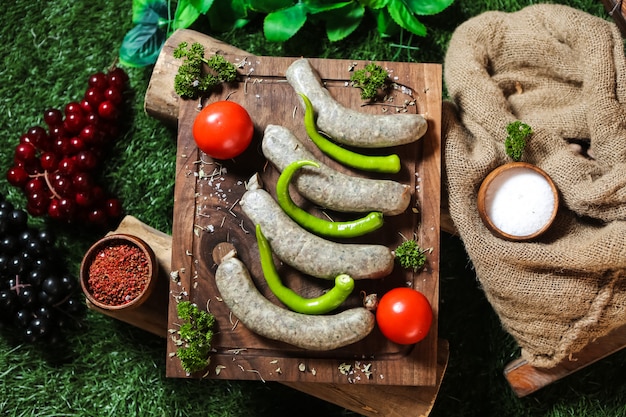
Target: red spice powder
x,y
118,274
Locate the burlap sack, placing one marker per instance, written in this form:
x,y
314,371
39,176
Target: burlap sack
x,y
561,71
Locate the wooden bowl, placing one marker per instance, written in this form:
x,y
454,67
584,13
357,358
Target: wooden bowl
x,y
531,207
116,240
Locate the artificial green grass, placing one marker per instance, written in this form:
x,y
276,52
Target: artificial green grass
x,y
109,368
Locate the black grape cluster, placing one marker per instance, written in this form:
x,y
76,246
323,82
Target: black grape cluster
x,y
37,299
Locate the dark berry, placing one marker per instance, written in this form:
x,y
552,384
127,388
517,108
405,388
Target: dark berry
x,y
27,296
94,97
74,305
117,77
98,80
52,286
17,176
40,326
53,117
108,110
73,107
23,317
46,236
8,302
36,276
17,220
25,152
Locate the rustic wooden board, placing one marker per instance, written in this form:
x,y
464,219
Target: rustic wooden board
x,y
150,316
526,379
206,212
617,10
368,400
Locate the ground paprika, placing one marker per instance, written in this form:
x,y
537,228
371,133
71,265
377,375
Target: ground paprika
x,y
118,274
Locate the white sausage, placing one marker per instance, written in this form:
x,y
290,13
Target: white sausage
x,y
264,318
309,253
329,188
349,126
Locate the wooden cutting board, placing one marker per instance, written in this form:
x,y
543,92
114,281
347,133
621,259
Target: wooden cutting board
x,y
206,213
368,400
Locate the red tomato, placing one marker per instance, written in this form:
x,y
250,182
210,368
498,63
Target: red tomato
x,y
404,315
223,129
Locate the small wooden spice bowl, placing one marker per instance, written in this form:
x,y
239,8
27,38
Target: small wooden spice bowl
x,y
124,266
531,207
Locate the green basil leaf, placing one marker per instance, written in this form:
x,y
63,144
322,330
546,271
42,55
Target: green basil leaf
x,y
269,6
384,23
405,19
374,4
188,11
281,25
427,7
241,9
225,15
141,45
186,14
202,6
314,7
148,12
342,22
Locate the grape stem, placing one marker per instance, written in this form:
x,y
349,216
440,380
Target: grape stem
x,y
48,183
17,285
63,300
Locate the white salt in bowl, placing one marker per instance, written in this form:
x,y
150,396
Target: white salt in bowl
x,y
518,201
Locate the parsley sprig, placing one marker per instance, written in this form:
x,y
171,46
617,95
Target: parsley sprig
x,y
369,79
410,255
191,81
515,142
194,336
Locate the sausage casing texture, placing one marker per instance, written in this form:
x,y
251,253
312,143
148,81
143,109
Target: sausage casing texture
x,y
309,253
329,188
349,126
269,320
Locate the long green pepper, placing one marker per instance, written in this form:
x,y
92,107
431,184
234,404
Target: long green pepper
x,y
333,298
322,227
387,164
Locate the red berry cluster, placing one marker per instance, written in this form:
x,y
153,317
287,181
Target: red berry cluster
x,y
56,165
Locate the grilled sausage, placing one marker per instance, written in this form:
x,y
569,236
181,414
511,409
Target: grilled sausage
x,y
329,188
264,318
349,126
309,253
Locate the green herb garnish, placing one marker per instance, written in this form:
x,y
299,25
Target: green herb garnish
x,y
410,255
369,79
515,142
194,336
190,80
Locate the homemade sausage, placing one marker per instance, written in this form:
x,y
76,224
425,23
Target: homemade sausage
x,y
329,188
349,126
264,318
309,253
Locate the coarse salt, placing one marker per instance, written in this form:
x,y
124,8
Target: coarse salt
x,y
519,201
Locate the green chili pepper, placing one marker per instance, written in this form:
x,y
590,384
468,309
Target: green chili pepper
x,y
322,227
330,300
388,164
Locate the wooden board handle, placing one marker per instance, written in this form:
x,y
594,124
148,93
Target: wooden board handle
x,y
161,102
